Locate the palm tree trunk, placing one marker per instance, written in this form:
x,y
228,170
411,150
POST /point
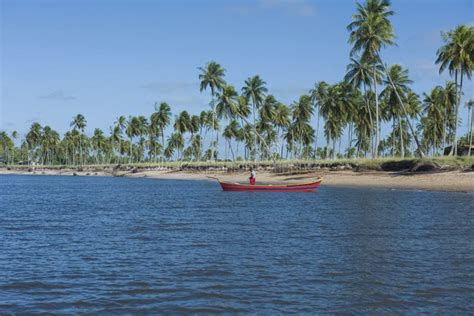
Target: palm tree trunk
x,y
418,144
402,147
316,138
237,145
444,131
339,147
327,147
349,139
130,159
412,148
28,153
394,146
377,118
370,118
213,124
80,150
470,130
254,133
225,150
282,147
458,102
231,151
451,151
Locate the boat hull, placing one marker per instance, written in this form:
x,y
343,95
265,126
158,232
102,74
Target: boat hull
x,y
304,187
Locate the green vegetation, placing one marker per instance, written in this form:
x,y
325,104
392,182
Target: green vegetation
x,y
281,166
257,127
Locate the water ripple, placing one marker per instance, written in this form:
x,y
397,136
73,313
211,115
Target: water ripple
x,y
73,245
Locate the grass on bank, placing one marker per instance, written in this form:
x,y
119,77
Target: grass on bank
x,y
388,163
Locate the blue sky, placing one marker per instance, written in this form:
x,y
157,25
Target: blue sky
x,y
107,58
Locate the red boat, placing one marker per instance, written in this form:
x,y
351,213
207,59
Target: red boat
x,y
303,187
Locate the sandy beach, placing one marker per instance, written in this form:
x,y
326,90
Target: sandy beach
x,y
462,181
437,181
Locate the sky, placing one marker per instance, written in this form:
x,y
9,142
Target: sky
x,y
106,58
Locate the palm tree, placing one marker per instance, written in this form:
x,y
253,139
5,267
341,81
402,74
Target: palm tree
x,y
153,145
176,141
33,138
79,123
255,91
194,125
457,55
212,125
318,95
212,76
227,103
196,145
363,124
267,136
203,126
116,132
267,110
115,136
202,121
470,116
433,124
14,136
160,119
447,100
98,141
351,99
301,130
400,80
243,108
394,138
49,143
132,130
360,73
142,131
371,30
182,123
414,109
6,145
334,111
121,122
281,119
230,132
68,143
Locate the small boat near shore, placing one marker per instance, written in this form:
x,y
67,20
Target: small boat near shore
x,y
301,187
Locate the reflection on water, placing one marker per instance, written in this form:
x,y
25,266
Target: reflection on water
x,y
118,245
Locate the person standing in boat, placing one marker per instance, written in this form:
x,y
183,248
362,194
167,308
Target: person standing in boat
x,y
253,176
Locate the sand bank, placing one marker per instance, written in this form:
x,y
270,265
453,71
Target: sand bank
x,y
433,181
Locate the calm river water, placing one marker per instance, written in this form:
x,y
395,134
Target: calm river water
x,y
127,246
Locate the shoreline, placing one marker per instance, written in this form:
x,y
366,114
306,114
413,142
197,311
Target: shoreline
x,y
439,181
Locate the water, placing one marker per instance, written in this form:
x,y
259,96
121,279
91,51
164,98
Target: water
x,y
124,246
